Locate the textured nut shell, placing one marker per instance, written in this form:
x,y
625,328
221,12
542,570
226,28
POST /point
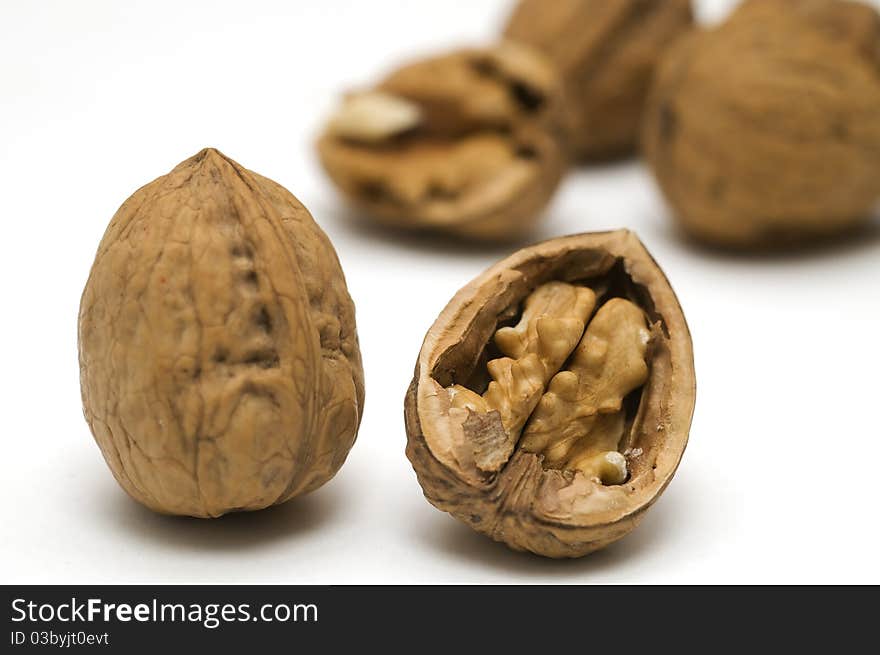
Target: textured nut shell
x,y
219,361
549,512
606,51
457,172
853,23
766,131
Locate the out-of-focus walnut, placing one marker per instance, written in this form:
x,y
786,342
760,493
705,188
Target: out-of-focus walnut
x,y
606,406
765,131
464,143
219,361
606,51
853,23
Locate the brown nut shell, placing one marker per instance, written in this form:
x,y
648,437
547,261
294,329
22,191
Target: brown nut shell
x,y
463,143
219,360
765,131
855,24
470,468
606,52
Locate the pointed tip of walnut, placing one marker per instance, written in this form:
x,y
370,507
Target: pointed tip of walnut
x,y
208,155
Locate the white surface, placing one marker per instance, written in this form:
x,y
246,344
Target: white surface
x,y
778,484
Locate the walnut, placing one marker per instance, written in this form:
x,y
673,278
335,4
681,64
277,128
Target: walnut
x,y
557,435
766,130
219,360
606,51
374,117
464,143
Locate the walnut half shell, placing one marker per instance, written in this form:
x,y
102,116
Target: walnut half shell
x,y
553,396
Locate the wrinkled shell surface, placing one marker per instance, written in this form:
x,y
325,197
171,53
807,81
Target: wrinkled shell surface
x,y
606,51
855,24
219,361
471,471
766,130
466,144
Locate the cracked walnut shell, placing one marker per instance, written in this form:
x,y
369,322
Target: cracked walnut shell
x,y
463,143
219,362
765,131
606,52
553,396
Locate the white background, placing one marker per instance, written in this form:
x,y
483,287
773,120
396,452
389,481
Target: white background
x,y
779,482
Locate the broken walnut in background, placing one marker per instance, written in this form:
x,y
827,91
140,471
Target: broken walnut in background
x,y
464,143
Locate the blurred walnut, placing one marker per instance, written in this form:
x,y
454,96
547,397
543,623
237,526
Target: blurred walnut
x,y
463,143
553,396
580,421
219,361
853,23
606,51
766,130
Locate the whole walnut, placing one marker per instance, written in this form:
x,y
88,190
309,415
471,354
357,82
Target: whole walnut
x,y
553,396
766,130
606,51
464,143
219,361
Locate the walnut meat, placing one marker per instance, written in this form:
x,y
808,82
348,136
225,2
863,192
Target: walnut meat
x,y
464,143
553,396
606,51
219,361
766,130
